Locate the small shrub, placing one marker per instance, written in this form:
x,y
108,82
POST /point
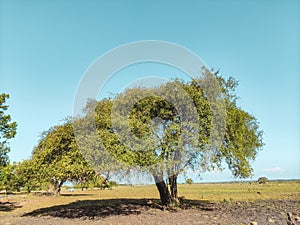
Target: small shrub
x,y
113,183
262,180
189,181
226,200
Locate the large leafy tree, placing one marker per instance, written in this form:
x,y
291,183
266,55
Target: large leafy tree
x,y
154,136
57,159
7,130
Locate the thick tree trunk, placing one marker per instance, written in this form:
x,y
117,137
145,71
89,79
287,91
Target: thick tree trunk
x,y
164,193
173,188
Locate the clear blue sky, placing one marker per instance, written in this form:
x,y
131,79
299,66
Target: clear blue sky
x,y
45,47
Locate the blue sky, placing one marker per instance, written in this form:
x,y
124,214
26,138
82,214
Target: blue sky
x,y
46,46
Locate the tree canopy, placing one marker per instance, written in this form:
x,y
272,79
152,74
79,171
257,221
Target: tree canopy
x,y
8,130
165,130
57,159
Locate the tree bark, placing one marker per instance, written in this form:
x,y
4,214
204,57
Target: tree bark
x,y
173,188
165,197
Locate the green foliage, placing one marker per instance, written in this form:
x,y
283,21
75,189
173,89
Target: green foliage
x,y
189,181
262,180
113,183
240,136
98,153
9,181
97,181
28,174
57,159
144,125
7,130
167,129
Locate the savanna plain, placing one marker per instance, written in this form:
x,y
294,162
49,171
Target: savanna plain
x,y
206,203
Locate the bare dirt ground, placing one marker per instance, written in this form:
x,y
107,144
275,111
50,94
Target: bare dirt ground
x,y
146,211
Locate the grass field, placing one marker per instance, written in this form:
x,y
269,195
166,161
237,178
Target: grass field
x,y
243,191
13,206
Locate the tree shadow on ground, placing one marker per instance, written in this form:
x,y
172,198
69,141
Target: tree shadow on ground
x,y
75,194
8,206
111,207
203,205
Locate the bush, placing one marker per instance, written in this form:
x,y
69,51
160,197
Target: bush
x,y
189,181
262,180
113,184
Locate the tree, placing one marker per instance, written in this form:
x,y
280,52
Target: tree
x,y
7,178
155,130
97,181
28,175
262,180
189,181
7,130
57,159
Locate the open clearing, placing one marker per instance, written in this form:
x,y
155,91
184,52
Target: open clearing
x,y
218,203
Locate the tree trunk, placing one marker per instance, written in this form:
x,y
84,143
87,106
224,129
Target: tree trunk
x,y
165,197
173,188
58,186
18,189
